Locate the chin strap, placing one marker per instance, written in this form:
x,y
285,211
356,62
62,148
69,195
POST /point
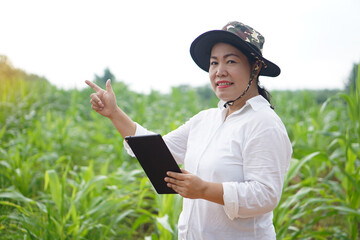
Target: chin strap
x,y
256,68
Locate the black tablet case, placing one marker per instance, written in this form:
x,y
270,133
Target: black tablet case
x,y
155,158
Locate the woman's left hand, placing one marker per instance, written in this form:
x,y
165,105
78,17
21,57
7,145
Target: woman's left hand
x,y
186,184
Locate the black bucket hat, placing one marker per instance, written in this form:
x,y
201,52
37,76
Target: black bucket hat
x,y
241,36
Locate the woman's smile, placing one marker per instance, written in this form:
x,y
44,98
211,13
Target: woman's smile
x,y
224,84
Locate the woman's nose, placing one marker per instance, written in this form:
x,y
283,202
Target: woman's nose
x,y
221,71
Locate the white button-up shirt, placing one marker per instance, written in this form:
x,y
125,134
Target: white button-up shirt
x,y
249,153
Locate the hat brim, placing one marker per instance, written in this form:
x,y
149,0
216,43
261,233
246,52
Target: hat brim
x,y
200,50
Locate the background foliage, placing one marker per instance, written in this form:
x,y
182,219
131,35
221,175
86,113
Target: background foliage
x,y
64,173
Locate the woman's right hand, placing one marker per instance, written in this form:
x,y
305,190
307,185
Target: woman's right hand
x,y
103,101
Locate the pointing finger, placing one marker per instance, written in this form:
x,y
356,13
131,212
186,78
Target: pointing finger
x,y
93,86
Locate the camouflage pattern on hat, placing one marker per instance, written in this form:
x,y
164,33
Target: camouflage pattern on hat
x,y
246,33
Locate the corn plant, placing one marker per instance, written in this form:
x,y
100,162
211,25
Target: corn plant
x,y
65,175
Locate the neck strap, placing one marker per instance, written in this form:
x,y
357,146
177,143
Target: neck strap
x,y
254,72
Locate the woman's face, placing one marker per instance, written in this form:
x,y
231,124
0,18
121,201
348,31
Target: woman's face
x,y
229,71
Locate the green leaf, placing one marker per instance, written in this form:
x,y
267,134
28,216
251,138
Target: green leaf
x,y
52,179
15,195
341,209
296,166
164,222
6,203
2,131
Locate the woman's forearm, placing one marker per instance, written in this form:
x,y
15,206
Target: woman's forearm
x,y
191,186
213,192
123,124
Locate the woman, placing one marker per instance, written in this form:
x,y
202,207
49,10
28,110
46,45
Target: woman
x,y
235,156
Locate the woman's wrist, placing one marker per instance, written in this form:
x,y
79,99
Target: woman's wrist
x,y
124,125
116,114
213,192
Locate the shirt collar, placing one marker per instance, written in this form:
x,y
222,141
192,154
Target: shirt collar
x,y
256,103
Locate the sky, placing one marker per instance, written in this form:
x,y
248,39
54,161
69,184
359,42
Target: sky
x,y
145,43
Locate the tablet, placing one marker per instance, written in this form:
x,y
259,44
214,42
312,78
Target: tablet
x,y
155,158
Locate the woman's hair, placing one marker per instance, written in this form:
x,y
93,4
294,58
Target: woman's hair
x,y
262,91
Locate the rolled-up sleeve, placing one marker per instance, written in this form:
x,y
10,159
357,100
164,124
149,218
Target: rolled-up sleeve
x,y
266,159
231,201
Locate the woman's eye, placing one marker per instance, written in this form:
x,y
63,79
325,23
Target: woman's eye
x,y
231,61
213,63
